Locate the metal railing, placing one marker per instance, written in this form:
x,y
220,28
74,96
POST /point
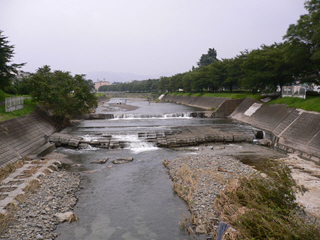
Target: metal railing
x,y
294,91
14,103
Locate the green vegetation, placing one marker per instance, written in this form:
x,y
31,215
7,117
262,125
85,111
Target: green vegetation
x,y
100,94
233,95
309,104
64,95
265,207
28,108
4,95
7,69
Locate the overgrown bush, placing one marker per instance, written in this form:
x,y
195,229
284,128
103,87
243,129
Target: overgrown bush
x,y
264,206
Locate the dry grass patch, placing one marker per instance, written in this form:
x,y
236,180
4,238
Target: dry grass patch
x,y
10,168
47,171
265,207
32,186
30,172
73,218
5,221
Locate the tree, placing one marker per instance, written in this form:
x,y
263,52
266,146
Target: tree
x,y
7,70
266,68
304,43
218,74
62,94
207,59
234,73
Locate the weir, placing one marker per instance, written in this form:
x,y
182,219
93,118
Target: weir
x,y
176,137
195,114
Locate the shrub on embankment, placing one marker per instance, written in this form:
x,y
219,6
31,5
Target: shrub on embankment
x,y
265,207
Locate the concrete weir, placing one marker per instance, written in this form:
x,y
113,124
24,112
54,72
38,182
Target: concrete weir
x,y
177,137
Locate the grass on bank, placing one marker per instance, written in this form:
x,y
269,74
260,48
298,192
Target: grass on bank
x,y
28,108
311,103
234,95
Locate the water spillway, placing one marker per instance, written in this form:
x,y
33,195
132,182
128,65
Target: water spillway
x,y
153,116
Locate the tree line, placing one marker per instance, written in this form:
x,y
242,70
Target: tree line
x,y
264,69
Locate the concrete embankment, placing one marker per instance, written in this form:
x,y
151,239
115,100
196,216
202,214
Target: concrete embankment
x,y
21,136
292,130
221,106
289,129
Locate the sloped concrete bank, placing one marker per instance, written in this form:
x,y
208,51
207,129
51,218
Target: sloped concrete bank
x,y
222,107
291,130
21,136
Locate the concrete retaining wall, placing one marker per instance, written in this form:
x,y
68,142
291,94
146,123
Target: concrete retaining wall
x,y
292,130
207,103
21,136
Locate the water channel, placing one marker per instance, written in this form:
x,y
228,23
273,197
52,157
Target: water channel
x,y
134,200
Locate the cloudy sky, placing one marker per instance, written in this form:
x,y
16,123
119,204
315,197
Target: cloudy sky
x,y
144,37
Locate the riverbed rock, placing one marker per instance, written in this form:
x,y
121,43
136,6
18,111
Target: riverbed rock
x,y
63,217
265,142
200,229
101,161
122,160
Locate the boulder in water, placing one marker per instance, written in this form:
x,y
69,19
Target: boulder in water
x,y
104,160
122,160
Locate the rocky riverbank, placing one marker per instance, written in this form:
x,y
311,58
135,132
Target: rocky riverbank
x,y
198,179
38,213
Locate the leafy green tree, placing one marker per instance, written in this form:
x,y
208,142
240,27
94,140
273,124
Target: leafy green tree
x,y
164,84
64,95
266,68
304,43
7,70
218,75
187,80
207,59
234,72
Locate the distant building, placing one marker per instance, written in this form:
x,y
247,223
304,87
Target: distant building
x,y
100,83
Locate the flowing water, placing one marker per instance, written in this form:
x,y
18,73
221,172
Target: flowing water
x,y
133,200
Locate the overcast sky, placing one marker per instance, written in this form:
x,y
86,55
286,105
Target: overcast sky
x,y
145,37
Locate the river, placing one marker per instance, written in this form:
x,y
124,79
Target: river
x,y
133,200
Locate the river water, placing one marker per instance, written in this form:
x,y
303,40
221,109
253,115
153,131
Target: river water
x,y
135,200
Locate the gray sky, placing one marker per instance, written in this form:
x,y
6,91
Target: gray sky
x,y
144,37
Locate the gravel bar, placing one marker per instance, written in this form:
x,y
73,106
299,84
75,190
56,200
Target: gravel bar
x,y
36,216
198,179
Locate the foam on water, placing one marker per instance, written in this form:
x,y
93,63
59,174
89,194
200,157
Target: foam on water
x,y
152,116
135,144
